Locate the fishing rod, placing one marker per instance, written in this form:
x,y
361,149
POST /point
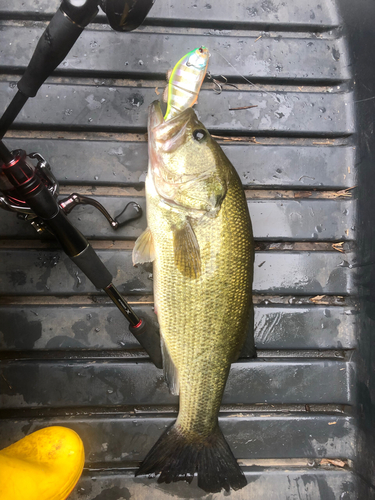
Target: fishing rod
x,y
32,190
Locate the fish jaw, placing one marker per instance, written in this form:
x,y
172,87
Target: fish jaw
x,y
184,163
168,135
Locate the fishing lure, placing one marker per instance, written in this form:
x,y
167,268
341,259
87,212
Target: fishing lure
x,y
185,81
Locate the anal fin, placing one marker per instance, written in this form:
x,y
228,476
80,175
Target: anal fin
x,y
143,250
170,370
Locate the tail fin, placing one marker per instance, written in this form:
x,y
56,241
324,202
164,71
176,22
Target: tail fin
x,y
177,458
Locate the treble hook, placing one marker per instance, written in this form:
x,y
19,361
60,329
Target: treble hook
x,y
219,85
219,88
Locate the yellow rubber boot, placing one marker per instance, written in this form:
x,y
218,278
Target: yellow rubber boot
x,y
45,465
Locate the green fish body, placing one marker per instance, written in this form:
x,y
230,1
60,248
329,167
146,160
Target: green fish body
x,y
200,239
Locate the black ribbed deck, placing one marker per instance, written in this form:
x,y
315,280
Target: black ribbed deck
x,y
66,357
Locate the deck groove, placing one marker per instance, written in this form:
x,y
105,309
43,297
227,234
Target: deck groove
x,y
73,361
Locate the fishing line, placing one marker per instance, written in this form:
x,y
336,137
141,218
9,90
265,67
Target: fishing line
x,y
244,77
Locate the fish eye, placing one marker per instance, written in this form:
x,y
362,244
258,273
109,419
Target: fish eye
x,y
199,134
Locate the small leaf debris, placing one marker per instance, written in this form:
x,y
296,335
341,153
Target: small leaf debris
x,y
243,107
329,461
345,193
317,299
302,194
339,247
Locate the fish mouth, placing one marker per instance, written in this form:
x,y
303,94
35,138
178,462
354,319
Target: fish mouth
x,y
155,116
163,131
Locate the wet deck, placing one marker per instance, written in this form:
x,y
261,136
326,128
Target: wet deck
x,y
66,355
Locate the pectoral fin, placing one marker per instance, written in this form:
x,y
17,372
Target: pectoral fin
x,y
143,250
186,251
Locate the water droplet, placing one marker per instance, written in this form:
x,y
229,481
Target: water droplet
x,y
110,391
89,316
344,263
345,496
140,62
96,177
89,120
327,313
97,329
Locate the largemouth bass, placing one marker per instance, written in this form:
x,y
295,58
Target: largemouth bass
x,y
200,239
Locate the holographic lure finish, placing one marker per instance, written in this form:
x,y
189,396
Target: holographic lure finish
x,y
185,81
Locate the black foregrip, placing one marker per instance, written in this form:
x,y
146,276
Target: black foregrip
x,y
149,338
53,46
71,240
91,265
76,246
